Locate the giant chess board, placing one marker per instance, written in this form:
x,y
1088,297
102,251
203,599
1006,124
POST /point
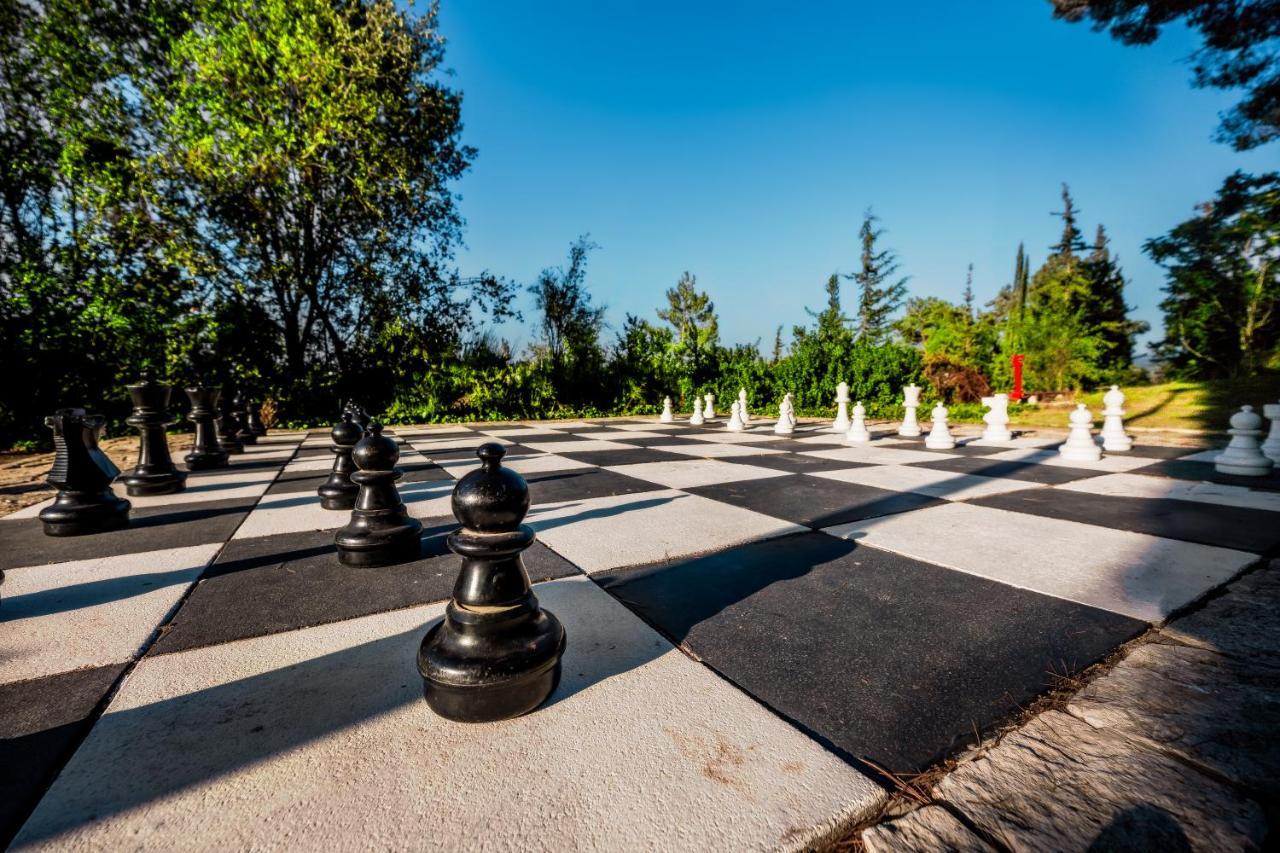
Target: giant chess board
x,y
755,624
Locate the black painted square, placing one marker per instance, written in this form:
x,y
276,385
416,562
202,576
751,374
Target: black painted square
x,y
878,655
1010,470
813,501
576,484
632,456
1182,469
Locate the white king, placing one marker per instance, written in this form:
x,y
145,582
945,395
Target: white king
x,y
842,408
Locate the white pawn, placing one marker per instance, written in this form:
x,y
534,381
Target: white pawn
x,y
1243,457
735,419
742,407
939,437
786,424
842,408
1080,446
910,401
997,420
858,431
1113,434
1271,447
667,416
696,419
709,412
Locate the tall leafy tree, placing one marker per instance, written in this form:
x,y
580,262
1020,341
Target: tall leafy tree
x,y
570,325
880,291
832,321
692,315
1072,240
967,296
1222,297
1240,51
1105,309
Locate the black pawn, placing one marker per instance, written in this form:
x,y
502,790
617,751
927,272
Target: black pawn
x,y
380,532
240,412
206,452
338,492
359,415
82,474
228,427
254,420
496,653
155,473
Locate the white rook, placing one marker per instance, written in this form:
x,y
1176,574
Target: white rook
x,y
1243,457
910,402
858,432
842,408
997,419
1113,434
1080,446
939,437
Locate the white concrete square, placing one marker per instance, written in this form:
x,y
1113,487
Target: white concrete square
x,y
516,432
429,430
66,616
1021,441
470,441
926,481
226,484
1135,574
537,463
582,445
822,437
735,437
293,512
694,472
600,434
1142,486
645,427
312,463
1109,462
712,450
626,530
879,455
1202,456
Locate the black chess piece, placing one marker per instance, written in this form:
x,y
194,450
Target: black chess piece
x,y
254,421
82,473
206,453
155,473
338,492
228,427
359,415
380,532
495,654
240,412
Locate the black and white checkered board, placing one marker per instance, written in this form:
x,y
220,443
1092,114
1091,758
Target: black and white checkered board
x,y
212,678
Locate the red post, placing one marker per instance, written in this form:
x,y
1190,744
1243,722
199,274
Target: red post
x,y
1017,378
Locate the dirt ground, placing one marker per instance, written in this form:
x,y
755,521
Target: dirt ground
x,y
22,474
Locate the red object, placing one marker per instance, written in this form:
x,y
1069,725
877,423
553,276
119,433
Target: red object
x,y
1017,378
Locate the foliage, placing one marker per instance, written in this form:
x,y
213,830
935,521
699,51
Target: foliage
x,y
1223,287
692,315
953,382
1241,50
570,326
879,293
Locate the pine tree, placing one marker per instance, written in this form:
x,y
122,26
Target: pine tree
x,y
693,316
1104,309
1021,280
1072,241
831,320
777,345
968,293
878,296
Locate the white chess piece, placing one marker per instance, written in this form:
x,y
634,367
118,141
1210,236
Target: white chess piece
x,y
997,420
786,424
696,419
735,419
1080,446
667,416
1243,456
858,432
910,401
842,408
1113,434
709,411
939,437
742,407
1271,447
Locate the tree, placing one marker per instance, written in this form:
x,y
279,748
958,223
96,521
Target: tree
x,y
1072,240
832,321
692,315
968,294
1241,50
1105,310
1223,289
879,295
570,324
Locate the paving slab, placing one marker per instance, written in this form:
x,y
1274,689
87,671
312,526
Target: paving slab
x,y
695,472
814,501
927,828
924,481
1143,486
639,748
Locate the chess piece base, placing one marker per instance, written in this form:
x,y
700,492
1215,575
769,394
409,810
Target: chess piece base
x,y
247,437
1227,463
1117,444
932,443
230,447
1081,454
471,675
379,538
997,435
83,513
206,461
138,484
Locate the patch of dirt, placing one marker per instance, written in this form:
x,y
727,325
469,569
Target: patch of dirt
x,y
22,474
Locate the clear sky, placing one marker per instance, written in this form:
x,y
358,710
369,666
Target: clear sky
x,y
743,141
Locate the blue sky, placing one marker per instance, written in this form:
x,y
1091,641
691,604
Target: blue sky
x,y
743,141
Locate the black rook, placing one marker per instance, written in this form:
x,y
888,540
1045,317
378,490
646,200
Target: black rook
x,y
338,492
496,653
155,473
206,453
380,532
82,473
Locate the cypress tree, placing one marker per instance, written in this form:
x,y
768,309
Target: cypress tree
x,y
878,294
1021,280
968,293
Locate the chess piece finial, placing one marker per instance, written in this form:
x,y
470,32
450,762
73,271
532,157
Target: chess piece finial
x,y
380,532
1243,456
939,437
496,653
155,473
842,422
996,418
206,452
82,474
1113,435
910,402
339,492
1080,446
